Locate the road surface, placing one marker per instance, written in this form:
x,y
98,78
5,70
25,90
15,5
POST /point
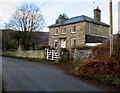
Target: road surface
x,y
20,75
0,74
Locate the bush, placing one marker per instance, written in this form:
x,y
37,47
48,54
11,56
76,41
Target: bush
x,y
11,46
100,61
41,47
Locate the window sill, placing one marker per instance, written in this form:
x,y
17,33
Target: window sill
x,y
63,33
73,32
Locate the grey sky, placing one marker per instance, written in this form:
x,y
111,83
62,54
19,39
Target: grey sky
x,y
52,8
119,16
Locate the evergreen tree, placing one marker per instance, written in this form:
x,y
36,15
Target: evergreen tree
x,y
62,17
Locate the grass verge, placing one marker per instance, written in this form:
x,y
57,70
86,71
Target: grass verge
x,y
113,80
27,58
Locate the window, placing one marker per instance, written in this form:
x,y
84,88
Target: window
x,y
55,31
55,43
63,30
74,29
73,42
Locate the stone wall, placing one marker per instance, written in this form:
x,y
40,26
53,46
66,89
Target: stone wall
x,y
74,54
31,53
81,54
79,35
97,29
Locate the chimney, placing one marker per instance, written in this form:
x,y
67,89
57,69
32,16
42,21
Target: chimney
x,y
97,14
61,20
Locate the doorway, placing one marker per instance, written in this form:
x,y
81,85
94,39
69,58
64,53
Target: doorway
x,y
63,43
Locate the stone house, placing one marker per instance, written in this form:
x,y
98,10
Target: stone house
x,y
78,31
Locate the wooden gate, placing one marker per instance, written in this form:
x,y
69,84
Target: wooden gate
x,y
51,54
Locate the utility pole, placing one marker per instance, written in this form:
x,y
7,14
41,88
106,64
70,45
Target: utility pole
x,y
111,29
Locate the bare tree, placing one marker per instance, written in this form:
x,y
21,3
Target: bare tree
x,y
7,26
27,18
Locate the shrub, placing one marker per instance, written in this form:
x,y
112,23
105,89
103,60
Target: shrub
x,y
57,61
11,46
100,62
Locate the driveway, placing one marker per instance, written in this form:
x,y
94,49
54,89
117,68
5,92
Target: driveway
x,y
20,75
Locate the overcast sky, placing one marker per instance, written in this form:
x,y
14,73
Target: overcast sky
x,y
119,16
52,8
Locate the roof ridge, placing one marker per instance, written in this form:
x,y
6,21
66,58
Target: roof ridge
x,y
75,17
80,18
88,17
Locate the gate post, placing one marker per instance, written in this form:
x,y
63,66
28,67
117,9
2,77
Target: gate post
x,y
64,54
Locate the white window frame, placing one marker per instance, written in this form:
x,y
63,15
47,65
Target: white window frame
x,y
63,30
55,31
73,41
73,29
55,41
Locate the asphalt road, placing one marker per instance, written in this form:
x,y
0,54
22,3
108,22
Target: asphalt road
x,y
0,74
20,75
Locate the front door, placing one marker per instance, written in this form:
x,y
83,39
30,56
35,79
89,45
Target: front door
x,y
63,43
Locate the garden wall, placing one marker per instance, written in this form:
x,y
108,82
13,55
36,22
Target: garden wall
x,y
30,53
74,54
81,54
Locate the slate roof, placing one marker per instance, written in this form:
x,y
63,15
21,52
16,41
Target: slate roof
x,y
82,18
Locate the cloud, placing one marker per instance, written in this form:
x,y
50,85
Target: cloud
x,y
52,11
119,16
6,10
54,7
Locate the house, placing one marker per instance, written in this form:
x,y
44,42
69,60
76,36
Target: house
x,y
78,31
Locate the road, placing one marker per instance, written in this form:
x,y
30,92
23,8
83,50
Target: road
x,y
0,73
20,75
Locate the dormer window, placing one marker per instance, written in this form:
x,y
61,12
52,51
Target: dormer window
x,y
56,31
73,29
63,30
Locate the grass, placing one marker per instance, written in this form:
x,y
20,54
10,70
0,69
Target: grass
x,y
27,58
108,79
116,81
